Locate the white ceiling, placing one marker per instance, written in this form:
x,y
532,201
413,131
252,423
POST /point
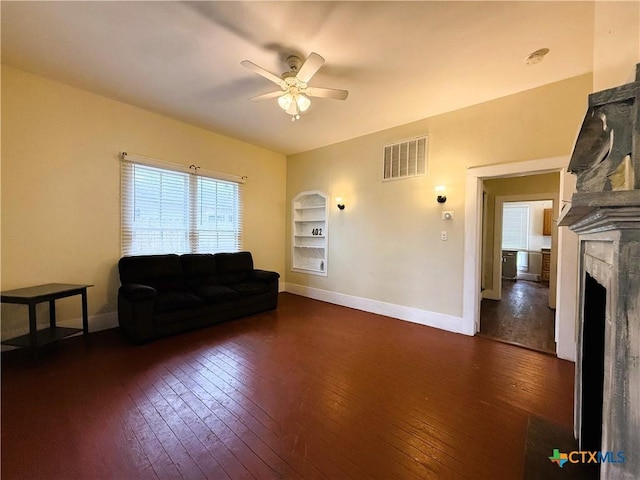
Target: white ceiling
x,y
400,61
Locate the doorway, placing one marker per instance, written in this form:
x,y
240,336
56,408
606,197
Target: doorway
x,y
518,299
567,252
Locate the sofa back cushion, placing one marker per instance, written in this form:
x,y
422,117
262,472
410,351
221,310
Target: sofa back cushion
x,y
162,272
200,269
234,267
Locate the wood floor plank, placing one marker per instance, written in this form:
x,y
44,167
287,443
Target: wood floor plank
x,y
220,420
169,444
340,399
374,417
231,419
218,439
310,391
521,317
256,420
180,421
335,410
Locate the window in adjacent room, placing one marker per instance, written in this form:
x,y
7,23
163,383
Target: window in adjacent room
x,y
515,226
173,209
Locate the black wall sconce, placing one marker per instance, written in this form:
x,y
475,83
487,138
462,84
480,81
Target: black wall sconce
x,y
340,203
440,191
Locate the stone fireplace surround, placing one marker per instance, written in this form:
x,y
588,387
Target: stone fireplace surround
x,y
605,213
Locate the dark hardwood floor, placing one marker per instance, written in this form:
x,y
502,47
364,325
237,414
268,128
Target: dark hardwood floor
x,y
310,391
522,317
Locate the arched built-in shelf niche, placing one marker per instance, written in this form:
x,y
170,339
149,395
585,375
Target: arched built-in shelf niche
x,y
309,233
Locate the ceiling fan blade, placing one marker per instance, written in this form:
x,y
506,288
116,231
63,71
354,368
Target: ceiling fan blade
x,y
309,68
261,71
327,93
265,96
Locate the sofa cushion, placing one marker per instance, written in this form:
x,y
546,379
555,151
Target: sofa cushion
x,y
215,293
174,301
199,269
251,288
234,267
162,272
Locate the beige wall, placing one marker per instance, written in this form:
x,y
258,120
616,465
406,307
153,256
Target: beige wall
x,y
386,244
61,186
616,47
547,182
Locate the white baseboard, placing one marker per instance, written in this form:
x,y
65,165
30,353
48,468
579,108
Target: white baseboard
x,y
567,353
532,277
101,321
401,312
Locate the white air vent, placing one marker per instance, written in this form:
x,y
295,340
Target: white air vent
x,y
405,159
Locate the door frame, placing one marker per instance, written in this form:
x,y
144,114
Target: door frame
x,y
565,312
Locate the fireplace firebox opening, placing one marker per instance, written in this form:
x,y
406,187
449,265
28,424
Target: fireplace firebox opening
x,y
593,354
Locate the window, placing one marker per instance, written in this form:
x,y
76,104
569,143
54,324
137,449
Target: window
x,y
176,210
405,159
515,227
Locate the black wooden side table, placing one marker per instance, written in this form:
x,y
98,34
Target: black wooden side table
x,y
49,292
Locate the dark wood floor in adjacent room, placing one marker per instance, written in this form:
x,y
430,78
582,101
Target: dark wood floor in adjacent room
x,y
522,317
310,391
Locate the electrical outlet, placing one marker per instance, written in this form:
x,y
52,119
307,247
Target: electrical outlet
x,y
443,235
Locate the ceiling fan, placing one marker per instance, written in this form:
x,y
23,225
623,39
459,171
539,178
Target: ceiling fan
x,y
294,93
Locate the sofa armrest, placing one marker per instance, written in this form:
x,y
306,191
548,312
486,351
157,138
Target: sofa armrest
x,y
136,305
264,275
135,292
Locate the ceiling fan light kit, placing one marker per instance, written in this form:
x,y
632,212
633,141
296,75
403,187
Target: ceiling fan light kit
x,y
294,95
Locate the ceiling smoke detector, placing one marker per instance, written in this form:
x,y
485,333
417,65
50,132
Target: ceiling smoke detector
x,y
536,57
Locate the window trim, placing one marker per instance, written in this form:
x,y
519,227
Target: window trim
x,y
195,174
153,162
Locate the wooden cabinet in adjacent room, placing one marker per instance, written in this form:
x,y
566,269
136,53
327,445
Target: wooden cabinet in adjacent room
x,y
546,264
546,221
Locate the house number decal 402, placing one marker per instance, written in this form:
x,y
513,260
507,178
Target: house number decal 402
x,y
316,231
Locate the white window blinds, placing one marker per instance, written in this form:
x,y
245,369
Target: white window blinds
x,y
515,227
173,210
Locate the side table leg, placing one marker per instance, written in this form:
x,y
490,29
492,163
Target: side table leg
x,y
52,313
85,314
33,330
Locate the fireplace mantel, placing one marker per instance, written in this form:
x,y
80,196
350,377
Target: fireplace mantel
x,y
605,213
